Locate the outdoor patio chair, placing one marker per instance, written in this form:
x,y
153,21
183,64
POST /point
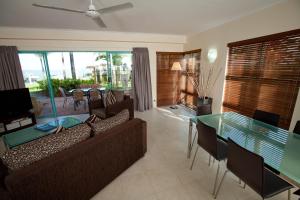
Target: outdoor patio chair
x,y
95,86
37,106
93,94
78,96
64,95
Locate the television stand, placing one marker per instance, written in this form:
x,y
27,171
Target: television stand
x,y
17,122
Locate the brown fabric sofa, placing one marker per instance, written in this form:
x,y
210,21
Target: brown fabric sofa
x,y
82,170
97,107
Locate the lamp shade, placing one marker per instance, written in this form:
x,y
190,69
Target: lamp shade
x,y
176,66
212,55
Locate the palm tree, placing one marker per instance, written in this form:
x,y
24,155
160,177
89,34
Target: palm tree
x,y
116,61
72,66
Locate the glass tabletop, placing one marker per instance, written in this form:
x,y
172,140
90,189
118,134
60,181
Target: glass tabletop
x,y
279,148
32,133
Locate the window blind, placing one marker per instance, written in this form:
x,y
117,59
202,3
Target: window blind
x,y
264,73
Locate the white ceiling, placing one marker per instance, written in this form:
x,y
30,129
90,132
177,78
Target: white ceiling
x,y
181,17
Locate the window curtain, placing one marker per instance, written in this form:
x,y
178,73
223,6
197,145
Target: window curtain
x,y
11,76
141,79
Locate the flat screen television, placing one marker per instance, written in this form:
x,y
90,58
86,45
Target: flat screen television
x,y
14,102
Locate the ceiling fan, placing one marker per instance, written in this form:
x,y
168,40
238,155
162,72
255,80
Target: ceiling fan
x,y
92,12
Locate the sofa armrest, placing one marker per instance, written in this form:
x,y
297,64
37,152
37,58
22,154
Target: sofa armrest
x,y
114,109
79,172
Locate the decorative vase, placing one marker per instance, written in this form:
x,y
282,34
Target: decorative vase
x,y
204,100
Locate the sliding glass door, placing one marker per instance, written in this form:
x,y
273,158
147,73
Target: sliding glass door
x,y
52,77
76,70
121,70
35,73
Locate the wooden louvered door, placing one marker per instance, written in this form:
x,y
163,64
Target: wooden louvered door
x,y
190,63
167,80
264,73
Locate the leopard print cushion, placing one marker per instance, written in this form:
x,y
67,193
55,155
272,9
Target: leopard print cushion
x,y
111,122
28,153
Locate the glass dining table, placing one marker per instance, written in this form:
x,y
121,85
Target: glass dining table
x,y
279,148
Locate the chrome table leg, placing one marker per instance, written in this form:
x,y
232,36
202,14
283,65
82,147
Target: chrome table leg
x,y
190,139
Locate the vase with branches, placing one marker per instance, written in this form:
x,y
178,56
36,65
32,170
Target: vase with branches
x,y
205,78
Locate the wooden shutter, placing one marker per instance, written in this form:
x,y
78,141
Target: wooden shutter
x,y
167,88
173,86
264,73
191,63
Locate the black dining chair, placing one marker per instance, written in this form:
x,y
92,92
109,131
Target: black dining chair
x,y
207,139
249,167
266,117
297,131
297,128
203,109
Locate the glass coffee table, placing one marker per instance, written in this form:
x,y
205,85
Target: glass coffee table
x,y
32,133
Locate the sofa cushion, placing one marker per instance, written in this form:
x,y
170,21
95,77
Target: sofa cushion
x,y
119,94
110,98
43,147
111,122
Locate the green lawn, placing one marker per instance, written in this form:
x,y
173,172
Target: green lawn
x,y
33,87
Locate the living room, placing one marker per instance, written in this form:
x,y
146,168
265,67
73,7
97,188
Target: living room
x,y
140,76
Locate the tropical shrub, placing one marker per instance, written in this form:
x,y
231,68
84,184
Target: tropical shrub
x,y
67,84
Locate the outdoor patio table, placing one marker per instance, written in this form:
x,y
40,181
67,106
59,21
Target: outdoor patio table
x,y
279,148
85,90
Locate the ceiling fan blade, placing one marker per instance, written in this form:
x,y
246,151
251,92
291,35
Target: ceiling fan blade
x,y
99,21
115,8
57,8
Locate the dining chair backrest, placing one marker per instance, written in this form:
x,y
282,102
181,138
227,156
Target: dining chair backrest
x,y
204,109
266,117
62,91
78,95
297,128
246,165
207,138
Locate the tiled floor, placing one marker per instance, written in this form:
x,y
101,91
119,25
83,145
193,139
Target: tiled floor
x,y
164,172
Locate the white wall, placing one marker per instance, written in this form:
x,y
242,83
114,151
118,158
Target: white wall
x,y
278,18
74,40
